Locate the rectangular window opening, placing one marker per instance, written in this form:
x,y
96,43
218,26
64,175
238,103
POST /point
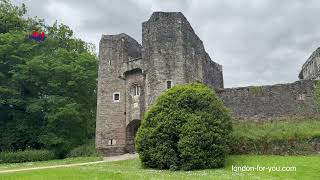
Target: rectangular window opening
x,y
116,97
169,84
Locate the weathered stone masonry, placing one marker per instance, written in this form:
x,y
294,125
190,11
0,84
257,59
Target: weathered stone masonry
x,y
116,53
131,76
293,100
311,68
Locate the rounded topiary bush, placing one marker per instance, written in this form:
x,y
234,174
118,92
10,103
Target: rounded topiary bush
x,y
188,127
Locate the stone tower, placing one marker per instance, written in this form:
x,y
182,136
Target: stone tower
x,y
116,108
132,76
174,54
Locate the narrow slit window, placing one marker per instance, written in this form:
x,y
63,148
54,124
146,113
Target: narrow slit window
x,y
111,142
136,90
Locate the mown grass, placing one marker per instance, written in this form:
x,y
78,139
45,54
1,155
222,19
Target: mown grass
x,y
8,166
307,167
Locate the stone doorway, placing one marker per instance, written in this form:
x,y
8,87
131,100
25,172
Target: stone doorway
x,y
131,132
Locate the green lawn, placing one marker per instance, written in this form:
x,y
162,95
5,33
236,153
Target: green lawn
x,y
8,166
307,167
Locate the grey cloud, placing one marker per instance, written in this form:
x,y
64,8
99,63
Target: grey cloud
x,y
257,42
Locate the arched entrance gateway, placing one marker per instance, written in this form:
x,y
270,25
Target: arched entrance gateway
x,y
131,132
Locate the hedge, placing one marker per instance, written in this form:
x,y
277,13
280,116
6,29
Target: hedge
x,y
85,150
26,156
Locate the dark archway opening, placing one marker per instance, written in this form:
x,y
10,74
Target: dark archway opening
x,y
131,131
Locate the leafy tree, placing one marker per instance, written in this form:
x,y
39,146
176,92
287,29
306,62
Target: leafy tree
x,y
10,17
47,89
188,127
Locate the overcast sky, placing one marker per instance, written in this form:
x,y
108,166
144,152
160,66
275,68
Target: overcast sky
x,y
258,42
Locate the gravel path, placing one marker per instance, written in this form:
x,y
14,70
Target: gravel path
x,y
106,159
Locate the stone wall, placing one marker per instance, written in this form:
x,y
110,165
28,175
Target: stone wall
x,y
172,51
135,103
161,40
198,64
294,100
212,73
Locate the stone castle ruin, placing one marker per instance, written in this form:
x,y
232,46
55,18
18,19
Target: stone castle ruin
x,y
131,76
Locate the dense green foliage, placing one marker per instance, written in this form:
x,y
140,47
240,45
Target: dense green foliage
x,y
85,150
26,156
188,127
286,137
47,89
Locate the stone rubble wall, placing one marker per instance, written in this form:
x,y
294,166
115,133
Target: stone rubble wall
x,y
293,100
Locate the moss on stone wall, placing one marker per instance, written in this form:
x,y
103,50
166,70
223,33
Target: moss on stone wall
x,y
256,90
316,94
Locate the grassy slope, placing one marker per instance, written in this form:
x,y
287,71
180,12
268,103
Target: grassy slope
x,y
291,137
278,130
308,167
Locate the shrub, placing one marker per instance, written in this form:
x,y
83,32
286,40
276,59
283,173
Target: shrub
x,y
26,156
188,127
85,150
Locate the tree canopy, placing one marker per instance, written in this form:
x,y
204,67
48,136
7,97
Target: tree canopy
x,y
47,89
